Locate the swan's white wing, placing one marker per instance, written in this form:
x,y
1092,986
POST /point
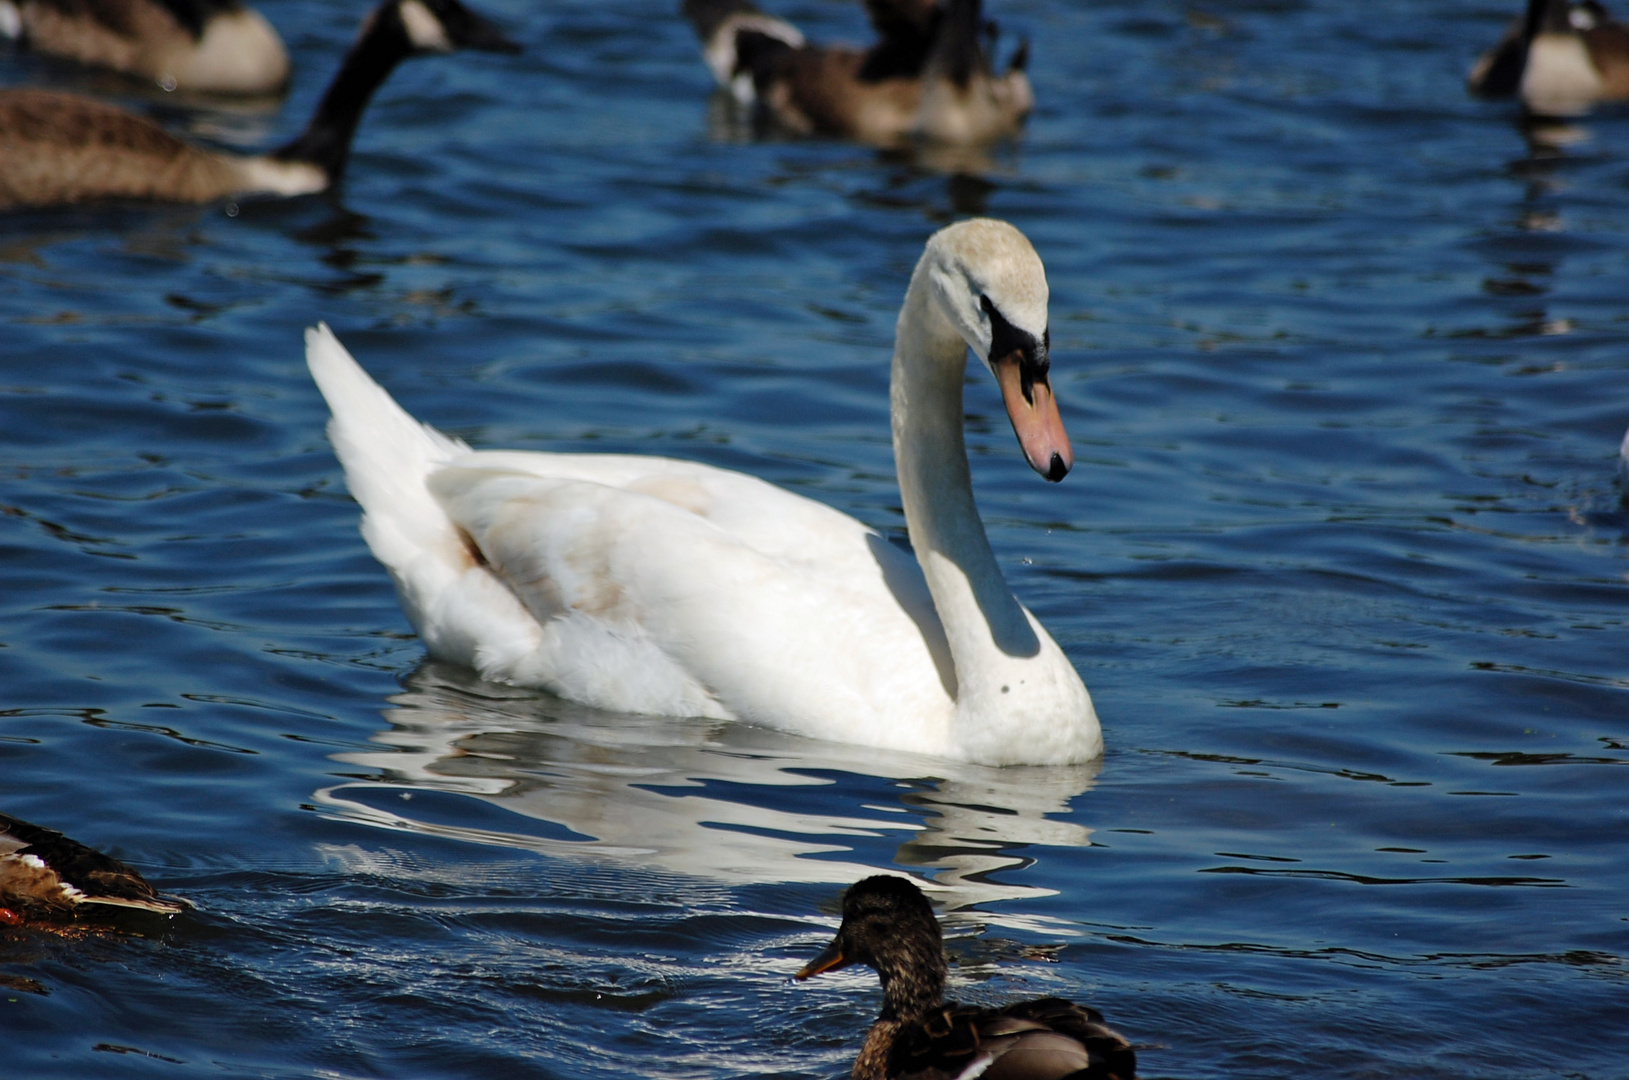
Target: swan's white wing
x,y
771,520
638,583
646,605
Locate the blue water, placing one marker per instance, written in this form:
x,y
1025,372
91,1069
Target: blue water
x,y
1343,561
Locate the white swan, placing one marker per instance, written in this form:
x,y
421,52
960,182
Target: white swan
x,y
650,585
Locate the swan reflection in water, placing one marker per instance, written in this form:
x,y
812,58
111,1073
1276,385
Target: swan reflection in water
x,y
491,764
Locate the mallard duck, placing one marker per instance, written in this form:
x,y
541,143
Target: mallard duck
x,y
1561,57
929,76
889,926
216,46
649,585
62,148
44,876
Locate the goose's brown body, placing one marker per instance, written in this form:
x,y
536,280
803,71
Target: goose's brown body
x,y
62,148
1560,57
217,46
929,74
58,149
889,926
45,876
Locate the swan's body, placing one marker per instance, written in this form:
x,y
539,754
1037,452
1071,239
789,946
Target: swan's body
x,y
57,149
216,46
651,585
889,927
928,76
45,876
1560,57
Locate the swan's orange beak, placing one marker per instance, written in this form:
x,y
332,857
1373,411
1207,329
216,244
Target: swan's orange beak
x,y
1035,419
830,959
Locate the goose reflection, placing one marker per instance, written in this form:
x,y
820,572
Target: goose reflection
x,y
483,763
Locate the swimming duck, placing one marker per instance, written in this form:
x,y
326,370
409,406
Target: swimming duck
x,y
44,875
217,46
62,148
1561,57
650,585
929,76
889,927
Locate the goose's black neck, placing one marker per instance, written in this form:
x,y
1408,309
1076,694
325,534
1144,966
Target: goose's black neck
x,y
1547,16
958,52
326,140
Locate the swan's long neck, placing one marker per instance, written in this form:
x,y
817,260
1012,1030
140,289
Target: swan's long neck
x,y
989,633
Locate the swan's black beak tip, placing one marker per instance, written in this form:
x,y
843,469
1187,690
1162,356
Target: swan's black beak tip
x,y
1056,470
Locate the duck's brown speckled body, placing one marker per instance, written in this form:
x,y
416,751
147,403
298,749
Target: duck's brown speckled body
x,y
45,876
889,926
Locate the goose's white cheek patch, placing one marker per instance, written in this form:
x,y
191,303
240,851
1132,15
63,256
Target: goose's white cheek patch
x,y
423,28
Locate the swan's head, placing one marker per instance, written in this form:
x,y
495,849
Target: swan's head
x,y
989,282
434,26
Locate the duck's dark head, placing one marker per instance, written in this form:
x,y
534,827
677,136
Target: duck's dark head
x,y
888,925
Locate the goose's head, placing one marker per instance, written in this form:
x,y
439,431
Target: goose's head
x,y
439,26
888,926
989,282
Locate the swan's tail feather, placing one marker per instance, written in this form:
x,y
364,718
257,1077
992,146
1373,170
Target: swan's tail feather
x,y
386,455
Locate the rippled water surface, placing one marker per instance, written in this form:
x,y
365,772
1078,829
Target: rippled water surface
x,y
1343,562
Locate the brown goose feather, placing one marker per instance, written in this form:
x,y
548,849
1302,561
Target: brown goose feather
x,y
62,148
928,75
217,46
58,149
1559,57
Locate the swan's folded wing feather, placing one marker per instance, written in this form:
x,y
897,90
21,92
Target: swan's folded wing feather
x,y
771,520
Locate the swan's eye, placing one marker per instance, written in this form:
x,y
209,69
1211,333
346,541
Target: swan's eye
x,y
1007,339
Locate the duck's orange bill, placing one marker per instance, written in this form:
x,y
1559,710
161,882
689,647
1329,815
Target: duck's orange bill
x,y
1035,419
830,959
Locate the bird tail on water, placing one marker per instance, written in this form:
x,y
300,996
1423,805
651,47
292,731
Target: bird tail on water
x,y
386,455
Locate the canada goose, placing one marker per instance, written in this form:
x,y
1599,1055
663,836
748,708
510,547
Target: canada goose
x,y
889,927
929,76
218,46
62,148
649,585
44,875
1561,57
